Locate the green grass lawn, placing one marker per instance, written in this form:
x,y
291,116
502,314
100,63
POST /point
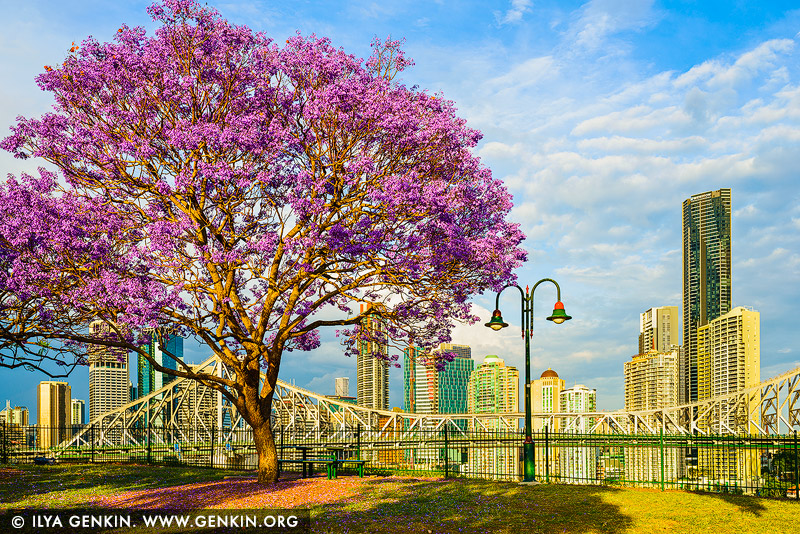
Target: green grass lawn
x,y
431,506
478,507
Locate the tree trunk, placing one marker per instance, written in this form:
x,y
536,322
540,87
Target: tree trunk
x,y
267,454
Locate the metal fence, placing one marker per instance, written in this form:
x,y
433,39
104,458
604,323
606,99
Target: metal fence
x,y
738,464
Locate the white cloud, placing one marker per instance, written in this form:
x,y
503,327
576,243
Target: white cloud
x,y
514,13
599,150
600,19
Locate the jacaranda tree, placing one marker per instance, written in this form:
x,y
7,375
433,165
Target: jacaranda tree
x,y
216,184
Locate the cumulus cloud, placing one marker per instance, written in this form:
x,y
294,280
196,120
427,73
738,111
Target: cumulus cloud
x,y
599,179
598,148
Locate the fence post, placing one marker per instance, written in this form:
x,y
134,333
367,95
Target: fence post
x,y
213,434
546,454
796,470
91,440
661,446
446,453
358,441
5,439
149,444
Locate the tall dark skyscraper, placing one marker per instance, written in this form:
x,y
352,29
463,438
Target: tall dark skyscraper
x,y
149,380
706,276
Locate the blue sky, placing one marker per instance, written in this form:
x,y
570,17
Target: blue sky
x,y
601,118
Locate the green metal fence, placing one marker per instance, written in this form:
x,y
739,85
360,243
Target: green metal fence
x,y
738,464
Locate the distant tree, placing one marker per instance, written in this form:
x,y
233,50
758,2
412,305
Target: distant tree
x,y
216,184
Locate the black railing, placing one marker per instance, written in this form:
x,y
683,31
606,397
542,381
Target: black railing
x,y
739,464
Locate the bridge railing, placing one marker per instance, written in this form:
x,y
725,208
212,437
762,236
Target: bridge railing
x,y
739,464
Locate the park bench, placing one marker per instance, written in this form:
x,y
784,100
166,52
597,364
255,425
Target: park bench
x,y
307,463
336,463
332,465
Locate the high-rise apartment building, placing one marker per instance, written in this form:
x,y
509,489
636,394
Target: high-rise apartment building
x,y
578,399
579,463
78,412
493,388
53,413
658,329
728,360
706,276
545,394
150,380
342,386
15,422
18,415
372,373
651,380
109,383
729,354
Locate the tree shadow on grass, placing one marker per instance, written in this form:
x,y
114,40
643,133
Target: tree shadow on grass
x,y
746,503
240,492
27,483
471,506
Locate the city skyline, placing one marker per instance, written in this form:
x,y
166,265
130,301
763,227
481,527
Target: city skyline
x,y
599,131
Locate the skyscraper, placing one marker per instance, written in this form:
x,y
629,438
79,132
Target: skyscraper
x,y
494,388
544,398
109,383
706,275
14,421
372,374
651,380
578,399
658,329
545,393
342,386
728,360
53,412
150,380
17,415
728,354
411,355
454,378
579,463
78,417
427,390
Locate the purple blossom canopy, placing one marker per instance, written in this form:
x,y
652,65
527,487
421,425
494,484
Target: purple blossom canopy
x,y
247,192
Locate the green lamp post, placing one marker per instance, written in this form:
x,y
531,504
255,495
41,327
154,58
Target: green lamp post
x,y
496,323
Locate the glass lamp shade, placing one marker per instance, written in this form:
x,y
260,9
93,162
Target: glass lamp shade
x,y
559,315
496,322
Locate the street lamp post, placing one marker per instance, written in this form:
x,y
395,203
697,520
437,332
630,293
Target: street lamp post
x,y
496,323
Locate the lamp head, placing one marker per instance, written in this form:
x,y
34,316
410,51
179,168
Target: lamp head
x,y
559,315
496,322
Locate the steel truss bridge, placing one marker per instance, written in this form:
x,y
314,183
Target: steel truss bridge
x,y
185,410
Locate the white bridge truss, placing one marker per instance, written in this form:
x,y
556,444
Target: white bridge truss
x,y
186,411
